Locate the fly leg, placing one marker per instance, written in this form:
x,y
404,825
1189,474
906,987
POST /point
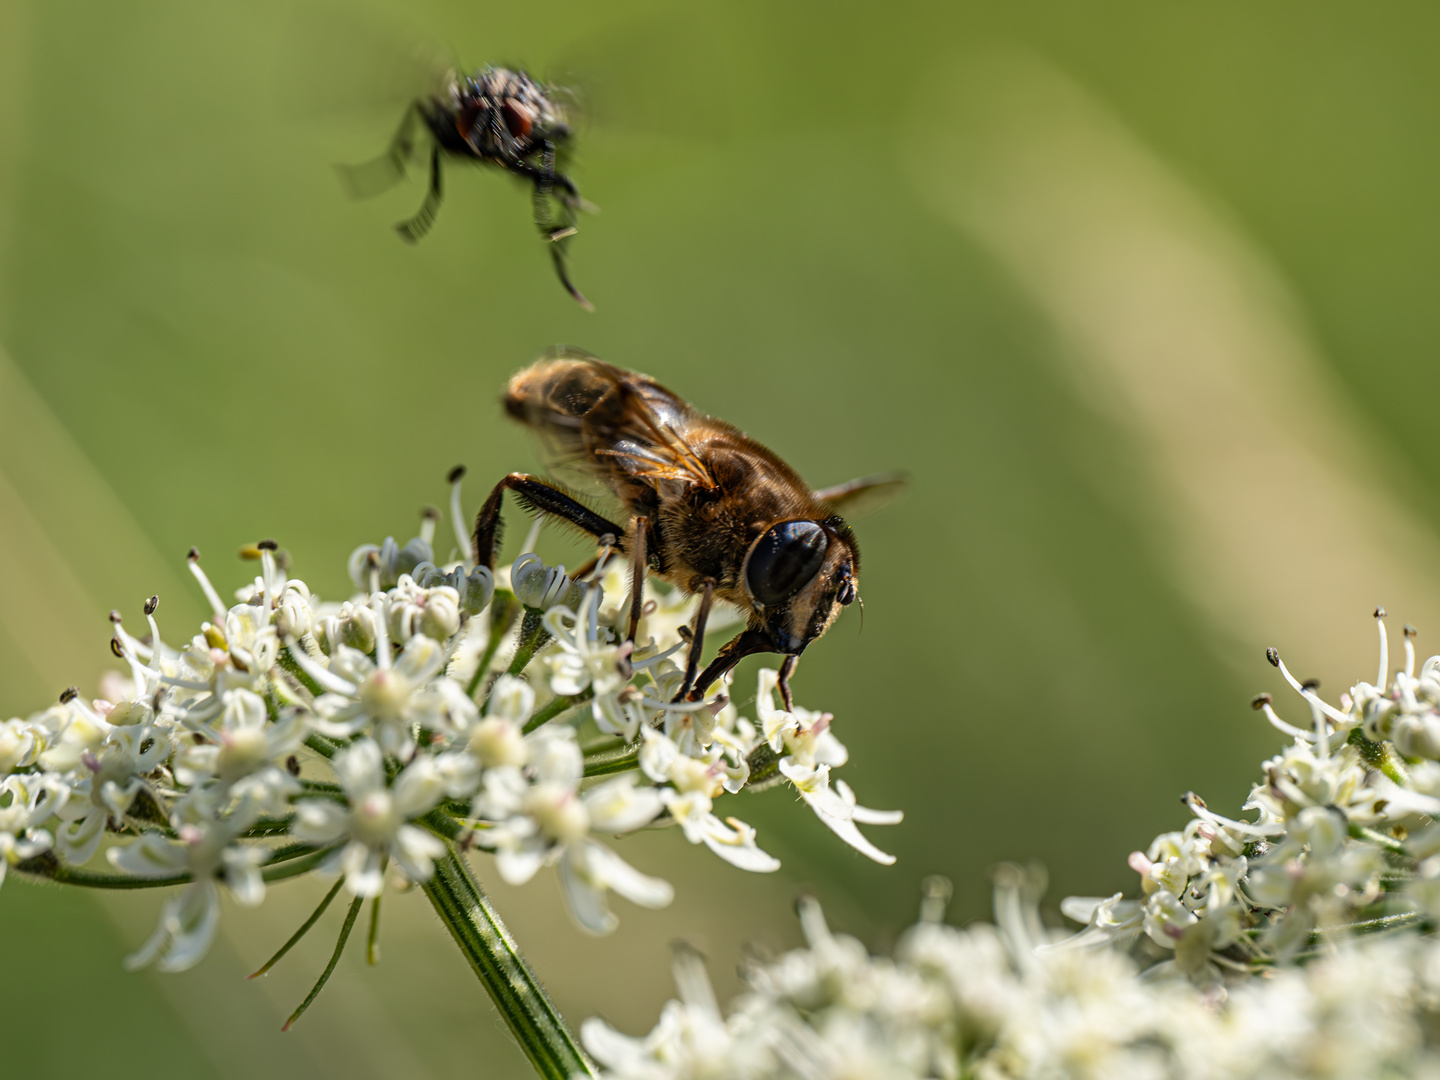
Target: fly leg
x,y
555,232
384,172
782,683
697,637
637,576
412,230
536,495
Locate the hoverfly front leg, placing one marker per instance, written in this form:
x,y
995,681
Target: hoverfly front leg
x,y
746,643
412,230
782,682
697,637
534,494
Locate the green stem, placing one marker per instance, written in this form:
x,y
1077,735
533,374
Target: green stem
x,y
532,636
322,746
555,708
1379,839
287,661
496,960
616,763
287,862
503,608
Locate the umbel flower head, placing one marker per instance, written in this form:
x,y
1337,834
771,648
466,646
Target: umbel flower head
x,y
1296,941
365,738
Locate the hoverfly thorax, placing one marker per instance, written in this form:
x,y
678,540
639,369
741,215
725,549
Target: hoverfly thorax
x,y
799,574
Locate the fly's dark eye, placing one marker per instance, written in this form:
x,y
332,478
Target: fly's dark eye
x,y
784,560
518,119
846,595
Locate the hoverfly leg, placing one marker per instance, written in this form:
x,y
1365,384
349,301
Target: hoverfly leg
x,y
412,230
782,683
637,576
697,637
537,495
746,643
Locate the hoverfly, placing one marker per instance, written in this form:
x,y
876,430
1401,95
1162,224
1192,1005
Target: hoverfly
x,y
709,509
499,117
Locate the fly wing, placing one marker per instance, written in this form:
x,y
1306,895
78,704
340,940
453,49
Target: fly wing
x,y
864,495
606,420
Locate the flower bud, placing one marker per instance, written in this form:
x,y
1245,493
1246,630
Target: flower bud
x,y
479,587
359,627
292,615
1417,735
543,587
440,617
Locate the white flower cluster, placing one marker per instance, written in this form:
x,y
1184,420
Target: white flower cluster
x,y
359,738
1008,1002
1296,944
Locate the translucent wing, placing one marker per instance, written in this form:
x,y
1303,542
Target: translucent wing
x,y
864,495
604,419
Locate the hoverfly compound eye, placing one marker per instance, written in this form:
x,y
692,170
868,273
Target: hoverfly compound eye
x,y
784,560
518,118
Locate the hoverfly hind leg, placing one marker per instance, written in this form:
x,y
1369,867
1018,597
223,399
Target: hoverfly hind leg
x,y
412,230
534,494
697,637
637,576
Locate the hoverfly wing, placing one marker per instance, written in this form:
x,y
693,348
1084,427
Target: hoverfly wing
x,y
601,419
865,494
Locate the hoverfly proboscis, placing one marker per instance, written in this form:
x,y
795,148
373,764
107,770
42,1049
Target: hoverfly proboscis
x,y
709,510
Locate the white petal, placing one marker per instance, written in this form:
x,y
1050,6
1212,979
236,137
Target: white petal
x,y
736,846
242,874
419,788
362,867
415,852
360,768
150,856
607,870
512,698
519,865
619,806
421,658
77,840
610,1048
319,821
585,901
847,831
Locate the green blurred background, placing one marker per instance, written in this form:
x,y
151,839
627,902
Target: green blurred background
x,y
1141,295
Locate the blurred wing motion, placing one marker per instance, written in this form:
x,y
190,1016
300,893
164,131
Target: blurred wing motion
x,y
864,495
594,411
